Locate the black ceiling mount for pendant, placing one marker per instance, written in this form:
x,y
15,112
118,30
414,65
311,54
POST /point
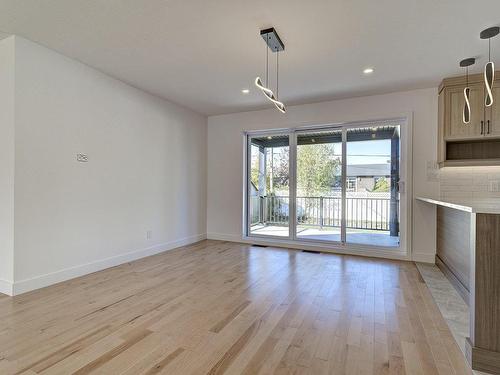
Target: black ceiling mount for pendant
x,y
467,62
466,113
272,39
490,32
489,68
274,43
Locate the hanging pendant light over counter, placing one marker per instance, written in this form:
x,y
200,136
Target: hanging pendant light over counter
x,y
489,68
467,111
273,43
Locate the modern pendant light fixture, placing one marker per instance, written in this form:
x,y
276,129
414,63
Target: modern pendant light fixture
x,y
273,43
489,68
466,112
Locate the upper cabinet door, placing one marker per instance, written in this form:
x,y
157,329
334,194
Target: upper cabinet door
x,y
454,106
492,127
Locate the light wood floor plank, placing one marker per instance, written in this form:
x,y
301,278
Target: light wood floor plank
x,y
225,308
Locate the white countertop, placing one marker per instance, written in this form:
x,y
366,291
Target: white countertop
x,y
479,206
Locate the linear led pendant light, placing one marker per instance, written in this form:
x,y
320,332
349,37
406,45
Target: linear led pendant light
x,y
466,112
489,68
274,44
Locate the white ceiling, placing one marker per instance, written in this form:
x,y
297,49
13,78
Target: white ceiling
x,y
201,53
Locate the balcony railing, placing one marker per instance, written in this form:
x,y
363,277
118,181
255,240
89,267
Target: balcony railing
x,y
361,212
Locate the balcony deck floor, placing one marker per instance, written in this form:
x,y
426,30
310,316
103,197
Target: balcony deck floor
x,y
355,236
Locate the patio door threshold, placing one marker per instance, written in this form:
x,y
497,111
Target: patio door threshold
x,y
334,248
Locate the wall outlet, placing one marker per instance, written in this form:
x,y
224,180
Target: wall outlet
x,y
493,185
149,234
82,158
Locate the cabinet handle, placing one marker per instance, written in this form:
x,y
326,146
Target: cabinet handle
x,y
482,127
488,127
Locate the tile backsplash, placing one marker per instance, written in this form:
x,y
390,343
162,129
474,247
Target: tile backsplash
x,y
469,182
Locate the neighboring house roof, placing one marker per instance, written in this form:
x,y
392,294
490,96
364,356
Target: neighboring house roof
x,y
361,170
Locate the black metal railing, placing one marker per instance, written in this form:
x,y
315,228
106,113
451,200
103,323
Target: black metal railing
x,y
361,212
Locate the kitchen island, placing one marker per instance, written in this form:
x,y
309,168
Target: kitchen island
x,y
468,253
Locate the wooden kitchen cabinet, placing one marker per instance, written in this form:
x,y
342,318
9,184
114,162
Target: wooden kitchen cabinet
x,y
454,104
492,114
478,142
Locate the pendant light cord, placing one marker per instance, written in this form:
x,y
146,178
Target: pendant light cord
x,y
267,62
277,74
489,49
275,48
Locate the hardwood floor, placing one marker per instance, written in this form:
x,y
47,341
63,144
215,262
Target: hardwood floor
x,y
218,307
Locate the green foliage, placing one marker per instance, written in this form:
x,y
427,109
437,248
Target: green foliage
x,y
254,166
381,186
277,159
317,169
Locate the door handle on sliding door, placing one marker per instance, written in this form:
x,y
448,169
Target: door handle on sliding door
x,y
401,186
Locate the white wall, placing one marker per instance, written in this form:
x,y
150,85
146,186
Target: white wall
x,y
146,170
225,156
147,166
6,165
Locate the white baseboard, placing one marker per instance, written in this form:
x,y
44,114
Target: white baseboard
x,y
225,237
41,281
424,257
360,250
6,287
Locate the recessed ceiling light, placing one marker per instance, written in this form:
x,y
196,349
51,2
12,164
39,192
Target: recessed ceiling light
x,y
269,137
245,91
368,71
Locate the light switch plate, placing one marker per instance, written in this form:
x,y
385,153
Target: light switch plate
x,y
82,158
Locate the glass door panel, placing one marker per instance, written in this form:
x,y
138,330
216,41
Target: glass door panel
x,y
372,180
269,185
319,185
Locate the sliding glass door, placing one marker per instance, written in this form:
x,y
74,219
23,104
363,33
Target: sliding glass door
x,y
372,185
319,185
336,184
268,186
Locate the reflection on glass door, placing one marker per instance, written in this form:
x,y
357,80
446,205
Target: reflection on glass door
x,y
372,178
319,185
268,185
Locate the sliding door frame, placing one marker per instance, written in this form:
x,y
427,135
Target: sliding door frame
x,y
292,173
343,225
401,252
295,134
246,190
